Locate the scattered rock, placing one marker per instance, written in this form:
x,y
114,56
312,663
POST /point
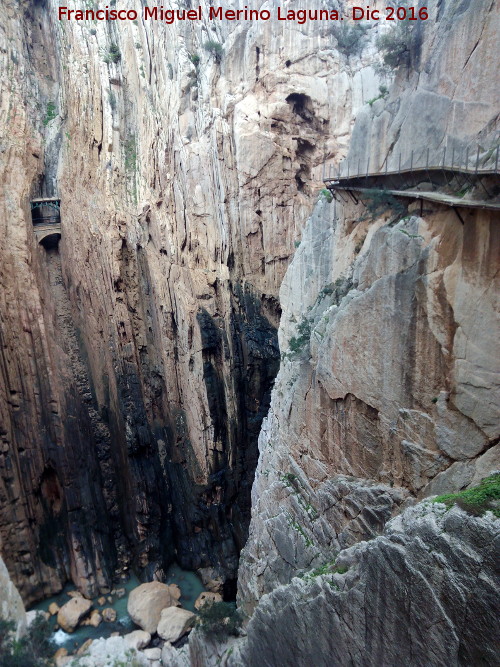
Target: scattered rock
x,y
120,593
101,601
114,634
111,651
109,615
53,608
207,596
84,647
137,639
95,618
211,580
71,613
153,653
110,599
61,657
146,602
74,594
174,623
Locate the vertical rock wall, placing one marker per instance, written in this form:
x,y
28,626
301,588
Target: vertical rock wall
x,y
388,390
137,360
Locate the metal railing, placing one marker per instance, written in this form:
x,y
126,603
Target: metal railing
x,y
477,161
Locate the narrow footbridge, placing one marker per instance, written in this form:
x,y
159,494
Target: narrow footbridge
x,y
449,180
46,218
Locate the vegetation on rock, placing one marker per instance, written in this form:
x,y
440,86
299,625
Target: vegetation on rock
x,y
215,48
113,55
350,38
219,619
35,649
478,500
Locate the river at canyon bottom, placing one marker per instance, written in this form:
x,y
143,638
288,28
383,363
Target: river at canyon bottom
x,y
189,583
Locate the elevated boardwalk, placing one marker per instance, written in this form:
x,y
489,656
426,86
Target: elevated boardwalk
x,y
46,218
445,184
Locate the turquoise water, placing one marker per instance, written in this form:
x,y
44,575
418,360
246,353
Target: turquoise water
x,y
188,582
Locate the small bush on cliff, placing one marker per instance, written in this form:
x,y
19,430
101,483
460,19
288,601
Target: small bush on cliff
x,y
113,55
399,44
350,38
219,619
326,194
215,48
378,202
50,113
298,343
35,649
477,500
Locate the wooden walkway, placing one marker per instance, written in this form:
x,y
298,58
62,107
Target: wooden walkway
x,y
425,182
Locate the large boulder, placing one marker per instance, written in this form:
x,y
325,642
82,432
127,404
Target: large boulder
x,y
53,608
110,651
175,622
71,613
145,603
138,639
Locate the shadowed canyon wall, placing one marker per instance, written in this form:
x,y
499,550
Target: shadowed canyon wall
x,y
138,357
388,391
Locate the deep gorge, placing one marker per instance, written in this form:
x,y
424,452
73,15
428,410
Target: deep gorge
x,y
222,364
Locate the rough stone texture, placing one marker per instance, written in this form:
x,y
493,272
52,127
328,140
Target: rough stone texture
x,y
174,623
146,602
137,359
95,619
423,593
106,652
152,653
389,386
137,639
207,596
11,604
175,657
109,615
71,613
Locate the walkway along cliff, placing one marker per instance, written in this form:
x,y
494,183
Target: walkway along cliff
x,y
216,352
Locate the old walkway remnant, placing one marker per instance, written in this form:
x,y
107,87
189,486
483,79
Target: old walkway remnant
x,y
46,218
425,179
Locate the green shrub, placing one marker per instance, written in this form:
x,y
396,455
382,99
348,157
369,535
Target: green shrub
x,y
478,500
50,113
219,619
215,48
378,202
326,194
195,59
130,154
384,91
298,343
398,43
350,38
113,55
35,649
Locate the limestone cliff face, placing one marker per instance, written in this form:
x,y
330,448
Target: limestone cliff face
x,y
388,389
137,359
11,604
422,593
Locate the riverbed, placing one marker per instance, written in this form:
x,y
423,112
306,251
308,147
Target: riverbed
x,y
189,583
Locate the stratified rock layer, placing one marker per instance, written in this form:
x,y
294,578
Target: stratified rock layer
x,y
138,357
423,593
